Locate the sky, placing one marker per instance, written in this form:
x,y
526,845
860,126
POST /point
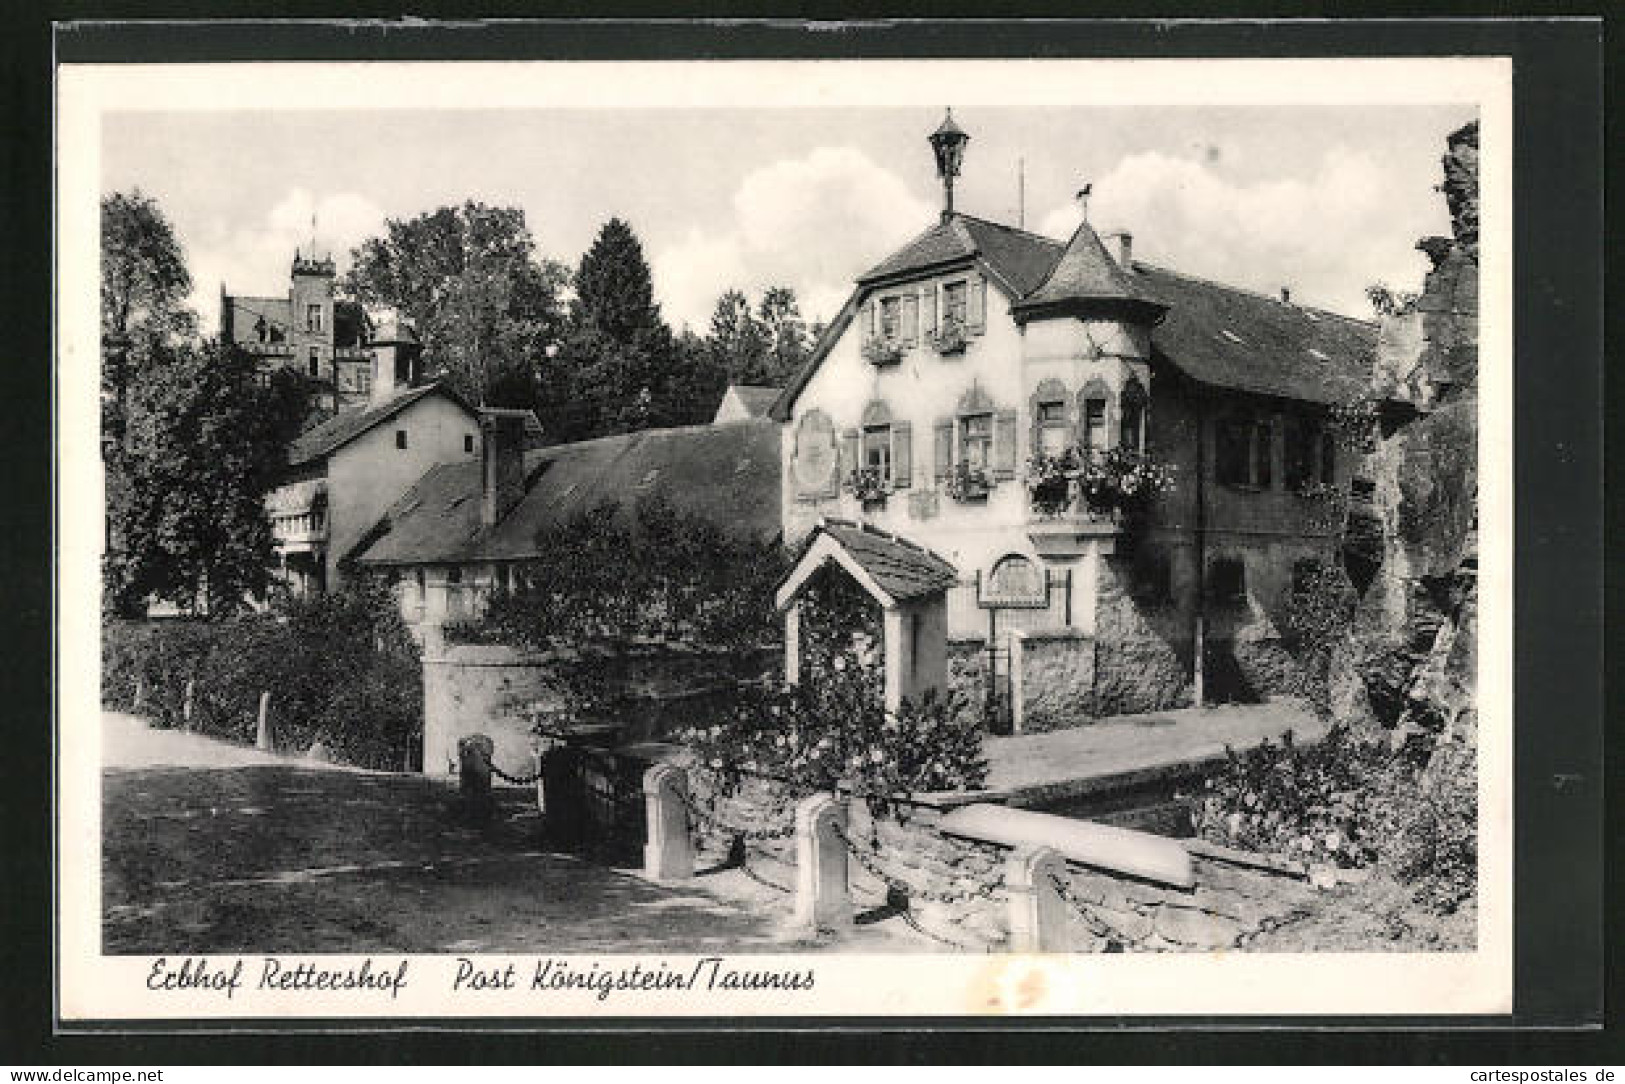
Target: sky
x,y
1322,199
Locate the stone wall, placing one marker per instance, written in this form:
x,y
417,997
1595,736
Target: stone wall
x,y
651,688
1142,659
1054,680
957,885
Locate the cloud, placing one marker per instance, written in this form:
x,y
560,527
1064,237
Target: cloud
x,y
1351,222
811,223
254,257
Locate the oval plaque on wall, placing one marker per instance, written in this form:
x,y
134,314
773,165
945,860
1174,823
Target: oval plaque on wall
x,y
813,466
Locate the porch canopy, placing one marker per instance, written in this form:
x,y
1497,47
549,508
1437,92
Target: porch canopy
x,y
907,581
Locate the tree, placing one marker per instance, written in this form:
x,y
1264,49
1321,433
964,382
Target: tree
x,y
619,367
485,307
765,346
205,444
787,338
144,285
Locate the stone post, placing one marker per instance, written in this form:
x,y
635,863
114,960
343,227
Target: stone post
x,y
823,898
668,853
262,732
186,705
1018,687
1037,912
474,775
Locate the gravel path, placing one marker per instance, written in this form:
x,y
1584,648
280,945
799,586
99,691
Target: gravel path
x,y
214,848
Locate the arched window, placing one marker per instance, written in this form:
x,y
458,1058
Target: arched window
x,y
1052,430
880,444
1131,424
1093,403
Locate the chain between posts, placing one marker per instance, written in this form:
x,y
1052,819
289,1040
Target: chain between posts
x,y
985,890
1081,907
749,835
516,780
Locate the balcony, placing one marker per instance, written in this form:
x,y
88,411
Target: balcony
x,y
1067,525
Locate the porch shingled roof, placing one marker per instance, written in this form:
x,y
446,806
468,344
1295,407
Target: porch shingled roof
x,y
902,569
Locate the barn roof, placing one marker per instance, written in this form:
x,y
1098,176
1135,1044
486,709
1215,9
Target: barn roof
x,y
727,474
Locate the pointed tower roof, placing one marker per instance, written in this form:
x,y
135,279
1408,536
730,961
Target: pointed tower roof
x,y
1086,277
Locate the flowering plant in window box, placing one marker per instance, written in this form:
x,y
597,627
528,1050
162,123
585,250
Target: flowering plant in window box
x,y
882,352
868,485
949,338
1049,481
968,482
1122,480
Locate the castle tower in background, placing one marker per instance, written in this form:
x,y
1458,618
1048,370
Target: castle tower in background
x,y
308,330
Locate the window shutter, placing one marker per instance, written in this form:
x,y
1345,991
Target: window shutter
x,y
943,432
911,319
902,455
928,297
1004,444
1035,439
976,304
850,460
866,320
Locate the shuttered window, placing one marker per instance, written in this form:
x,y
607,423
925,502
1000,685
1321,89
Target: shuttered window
x,y
943,440
902,454
877,449
953,303
890,316
976,441
1004,444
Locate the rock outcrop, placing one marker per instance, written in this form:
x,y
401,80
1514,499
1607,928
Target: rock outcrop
x,y
1412,663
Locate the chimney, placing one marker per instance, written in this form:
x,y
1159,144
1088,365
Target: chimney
x,y
1286,295
502,464
1122,248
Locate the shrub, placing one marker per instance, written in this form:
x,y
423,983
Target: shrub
x,y
341,669
1352,803
832,730
666,573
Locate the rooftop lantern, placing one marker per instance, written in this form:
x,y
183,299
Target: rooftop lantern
x,y
948,144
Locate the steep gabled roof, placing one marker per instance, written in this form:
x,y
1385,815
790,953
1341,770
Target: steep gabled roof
x,y
328,437
727,474
755,398
1016,259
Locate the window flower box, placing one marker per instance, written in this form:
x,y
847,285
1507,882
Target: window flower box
x,y
1112,483
949,338
883,352
969,483
868,485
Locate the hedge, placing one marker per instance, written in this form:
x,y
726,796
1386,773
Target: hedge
x,y
341,670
